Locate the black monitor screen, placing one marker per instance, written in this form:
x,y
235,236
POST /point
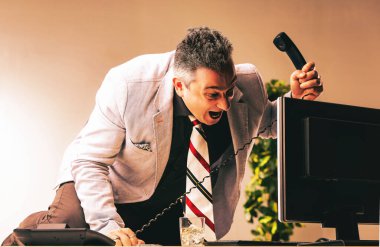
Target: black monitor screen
x,y
329,166
347,147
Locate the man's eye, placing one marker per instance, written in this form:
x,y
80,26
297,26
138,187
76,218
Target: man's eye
x,y
213,95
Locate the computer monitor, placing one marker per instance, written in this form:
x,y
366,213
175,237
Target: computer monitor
x,y
329,164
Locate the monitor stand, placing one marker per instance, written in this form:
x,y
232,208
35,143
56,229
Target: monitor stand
x,y
345,224
346,227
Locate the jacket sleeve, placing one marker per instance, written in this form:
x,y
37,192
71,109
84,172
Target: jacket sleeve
x,y
95,150
268,123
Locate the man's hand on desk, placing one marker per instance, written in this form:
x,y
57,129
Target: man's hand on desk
x,y
124,237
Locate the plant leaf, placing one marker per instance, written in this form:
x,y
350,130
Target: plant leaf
x,y
274,228
265,219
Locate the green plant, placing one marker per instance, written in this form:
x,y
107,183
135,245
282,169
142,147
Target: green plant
x,y
261,192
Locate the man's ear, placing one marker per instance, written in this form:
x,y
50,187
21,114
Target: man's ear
x,y
178,86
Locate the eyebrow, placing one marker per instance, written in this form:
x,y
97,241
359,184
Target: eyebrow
x,y
234,79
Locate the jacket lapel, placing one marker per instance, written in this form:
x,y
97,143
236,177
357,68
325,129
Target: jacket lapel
x,y
163,123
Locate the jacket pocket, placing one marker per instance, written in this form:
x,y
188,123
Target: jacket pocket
x,y
139,148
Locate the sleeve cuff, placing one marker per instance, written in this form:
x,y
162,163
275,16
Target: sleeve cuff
x,y
111,226
288,94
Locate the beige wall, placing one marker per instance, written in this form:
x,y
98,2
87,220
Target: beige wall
x,y
54,54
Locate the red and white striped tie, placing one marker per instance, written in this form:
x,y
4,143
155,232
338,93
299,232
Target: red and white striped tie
x,y
199,201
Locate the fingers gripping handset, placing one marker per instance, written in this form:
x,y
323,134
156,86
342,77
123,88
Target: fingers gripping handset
x,y
285,44
305,82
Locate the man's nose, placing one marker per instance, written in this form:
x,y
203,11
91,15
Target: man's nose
x,y
224,103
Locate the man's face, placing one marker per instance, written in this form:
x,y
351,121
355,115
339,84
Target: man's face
x,y
208,95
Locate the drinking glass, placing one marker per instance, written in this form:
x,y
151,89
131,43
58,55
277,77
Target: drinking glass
x,y
192,231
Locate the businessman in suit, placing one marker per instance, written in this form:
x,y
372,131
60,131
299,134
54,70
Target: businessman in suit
x,y
129,162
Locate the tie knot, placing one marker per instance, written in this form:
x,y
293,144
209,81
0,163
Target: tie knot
x,y
194,121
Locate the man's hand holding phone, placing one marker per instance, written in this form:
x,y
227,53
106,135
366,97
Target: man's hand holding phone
x,y
306,83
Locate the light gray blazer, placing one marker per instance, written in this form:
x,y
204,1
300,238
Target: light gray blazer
x,y
121,153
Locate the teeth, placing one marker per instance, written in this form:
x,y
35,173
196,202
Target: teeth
x,y
215,115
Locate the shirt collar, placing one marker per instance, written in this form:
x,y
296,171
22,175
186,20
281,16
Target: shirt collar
x,y
180,109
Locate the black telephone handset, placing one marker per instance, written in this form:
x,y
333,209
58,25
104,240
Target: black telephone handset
x,y
284,43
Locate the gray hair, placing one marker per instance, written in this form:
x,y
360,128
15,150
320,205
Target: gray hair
x,y
202,47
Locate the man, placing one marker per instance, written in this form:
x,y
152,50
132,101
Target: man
x,y
129,162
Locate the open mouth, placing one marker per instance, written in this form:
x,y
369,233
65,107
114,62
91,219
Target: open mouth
x,y
215,115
